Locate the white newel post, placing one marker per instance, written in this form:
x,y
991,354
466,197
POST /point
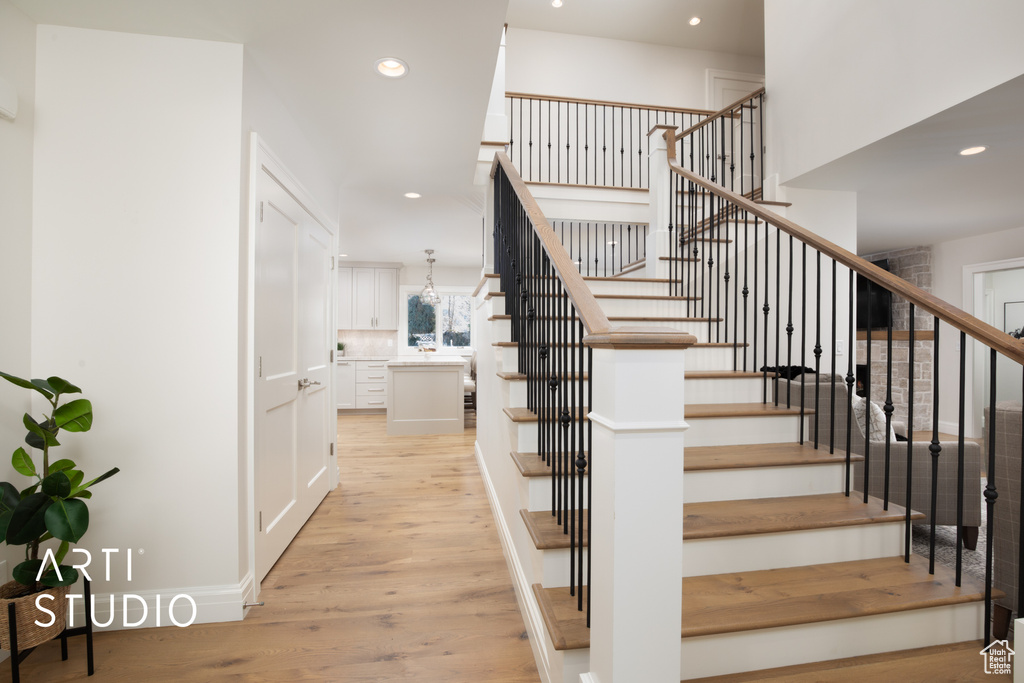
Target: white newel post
x,y
660,193
637,510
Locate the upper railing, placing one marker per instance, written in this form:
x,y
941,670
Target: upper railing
x,y
586,142
727,146
779,295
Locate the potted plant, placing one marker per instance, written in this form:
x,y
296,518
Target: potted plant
x,y
341,348
51,506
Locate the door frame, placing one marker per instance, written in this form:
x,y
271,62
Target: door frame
x,y
262,158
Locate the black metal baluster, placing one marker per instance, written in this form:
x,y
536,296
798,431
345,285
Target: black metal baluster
x,y
850,379
991,494
746,290
590,474
789,335
935,449
888,407
571,438
911,344
832,380
778,306
960,455
817,349
867,406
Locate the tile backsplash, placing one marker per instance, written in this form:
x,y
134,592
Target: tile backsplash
x,y
369,342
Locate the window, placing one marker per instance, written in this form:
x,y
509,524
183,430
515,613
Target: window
x,y
444,326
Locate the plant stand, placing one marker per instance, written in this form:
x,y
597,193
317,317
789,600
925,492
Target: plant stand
x,y
18,656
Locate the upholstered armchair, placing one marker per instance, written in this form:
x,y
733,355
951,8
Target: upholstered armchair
x,y
921,457
1006,534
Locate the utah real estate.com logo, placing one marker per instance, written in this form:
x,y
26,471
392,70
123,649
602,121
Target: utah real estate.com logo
x,y
998,658
126,598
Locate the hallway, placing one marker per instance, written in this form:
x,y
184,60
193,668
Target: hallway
x,y
398,575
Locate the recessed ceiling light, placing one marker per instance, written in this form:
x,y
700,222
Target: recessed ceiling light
x,y
413,195
613,243
694,21
972,150
343,255
392,67
556,3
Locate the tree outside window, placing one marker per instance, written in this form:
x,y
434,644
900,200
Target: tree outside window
x,y
448,322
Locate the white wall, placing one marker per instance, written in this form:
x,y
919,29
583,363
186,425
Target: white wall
x,y
845,73
443,276
545,63
17,67
135,290
949,260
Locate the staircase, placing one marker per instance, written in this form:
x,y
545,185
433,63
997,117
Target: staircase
x,y
784,574
774,552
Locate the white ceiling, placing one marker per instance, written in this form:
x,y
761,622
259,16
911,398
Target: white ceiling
x,y
420,133
913,187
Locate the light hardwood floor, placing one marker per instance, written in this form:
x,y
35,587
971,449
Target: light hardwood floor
x,y
398,576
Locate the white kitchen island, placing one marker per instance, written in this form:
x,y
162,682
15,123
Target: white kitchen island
x,y
425,395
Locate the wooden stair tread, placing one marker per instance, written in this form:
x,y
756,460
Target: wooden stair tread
x,y
526,415
715,410
625,318
520,377
698,345
723,518
954,662
723,374
769,598
699,458
530,464
546,532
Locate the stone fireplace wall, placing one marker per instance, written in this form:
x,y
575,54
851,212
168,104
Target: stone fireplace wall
x,y
915,266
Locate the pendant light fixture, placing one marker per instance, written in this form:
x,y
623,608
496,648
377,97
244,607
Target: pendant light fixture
x,y
429,295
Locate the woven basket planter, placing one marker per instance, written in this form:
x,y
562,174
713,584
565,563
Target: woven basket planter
x,y
31,634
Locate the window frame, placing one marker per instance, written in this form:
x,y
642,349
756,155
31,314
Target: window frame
x,y
405,291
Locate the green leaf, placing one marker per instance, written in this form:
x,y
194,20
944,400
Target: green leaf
x,y
22,463
61,386
29,519
39,431
24,383
105,475
9,498
76,477
68,520
70,575
75,416
30,490
26,571
5,520
81,494
62,551
62,465
43,387
57,485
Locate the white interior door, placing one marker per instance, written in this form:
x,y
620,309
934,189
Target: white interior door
x,y
292,394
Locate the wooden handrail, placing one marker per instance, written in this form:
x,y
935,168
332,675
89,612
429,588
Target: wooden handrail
x,y
628,105
600,333
724,111
961,320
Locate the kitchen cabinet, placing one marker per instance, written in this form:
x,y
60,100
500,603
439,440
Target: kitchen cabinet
x,y
345,383
344,298
374,299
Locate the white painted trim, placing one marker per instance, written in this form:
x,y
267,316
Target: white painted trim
x,y
970,271
261,157
214,604
711,75
639,427
532,618
589,678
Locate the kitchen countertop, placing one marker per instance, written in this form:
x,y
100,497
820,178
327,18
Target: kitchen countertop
x,y
419,361
341,358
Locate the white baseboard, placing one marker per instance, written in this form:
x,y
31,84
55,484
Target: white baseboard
x,y
140,609
524,593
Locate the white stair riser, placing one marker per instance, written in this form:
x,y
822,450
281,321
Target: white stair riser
x,y
710,358
553,566
624,286
648,307
501,330
733,390
497,305
535,492
730,653
515,392
723,431
523,435
791,549
763,482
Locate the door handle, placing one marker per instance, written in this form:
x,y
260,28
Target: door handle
x,y
304,382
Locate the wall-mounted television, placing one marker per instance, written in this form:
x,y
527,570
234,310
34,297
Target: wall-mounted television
x,y
874,302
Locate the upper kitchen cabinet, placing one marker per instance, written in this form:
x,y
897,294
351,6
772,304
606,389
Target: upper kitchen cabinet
x,y
368,298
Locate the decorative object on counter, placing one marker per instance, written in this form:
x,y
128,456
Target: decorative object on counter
x,y
51,507
429,295
341,348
